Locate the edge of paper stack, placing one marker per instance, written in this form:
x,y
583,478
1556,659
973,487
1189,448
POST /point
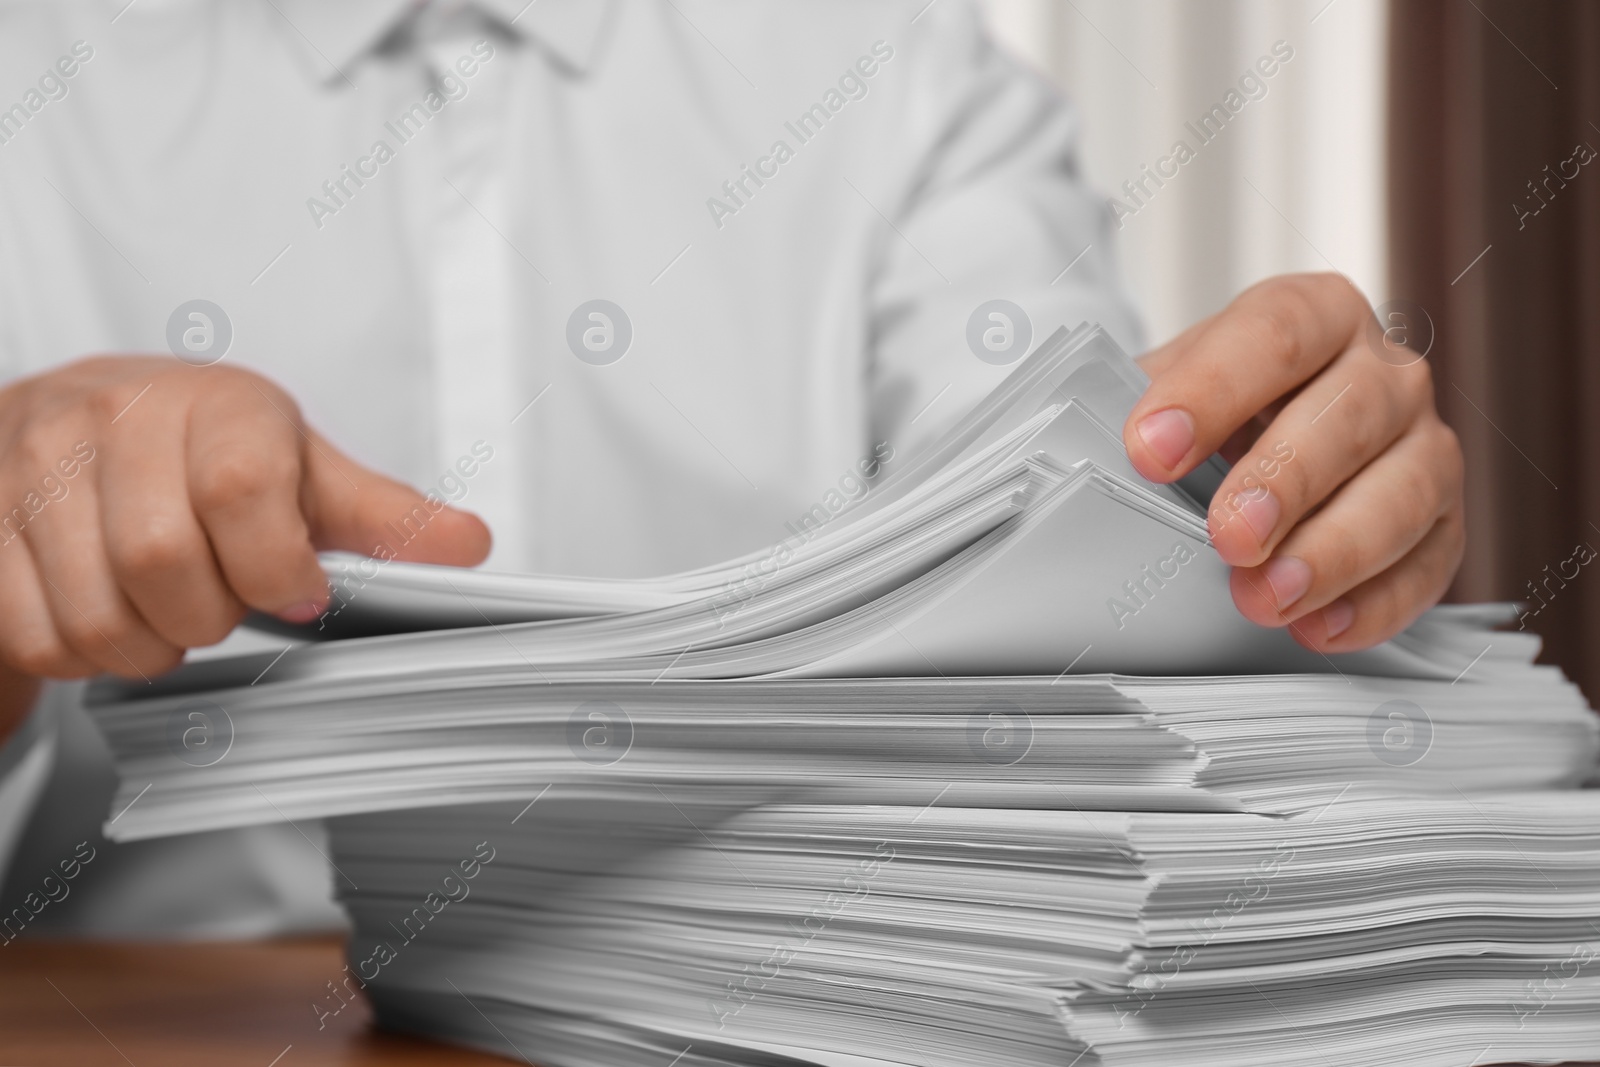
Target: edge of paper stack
x,y
985,769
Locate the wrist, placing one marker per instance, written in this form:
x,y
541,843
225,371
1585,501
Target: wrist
x,y
18,692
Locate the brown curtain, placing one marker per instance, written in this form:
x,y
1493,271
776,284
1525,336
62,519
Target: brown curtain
x,y
1494,127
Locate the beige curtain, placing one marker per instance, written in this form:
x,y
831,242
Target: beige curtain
x,y
1296,180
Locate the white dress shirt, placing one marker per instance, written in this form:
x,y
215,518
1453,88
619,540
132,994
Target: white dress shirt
x,y
406,212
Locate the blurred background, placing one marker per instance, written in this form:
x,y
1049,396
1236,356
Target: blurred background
x,y
1437,153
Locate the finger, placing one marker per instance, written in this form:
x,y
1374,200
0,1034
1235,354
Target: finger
x,y
1333,428
1369,526
1155,362
90,612
360,510
1275,336
159,553
245,470
1381,607
28,638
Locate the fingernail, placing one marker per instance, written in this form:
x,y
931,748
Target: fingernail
x,y
1336,618
1261,513
1289,577
303,613
1168,434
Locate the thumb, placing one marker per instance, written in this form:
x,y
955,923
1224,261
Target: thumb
x,y
354,509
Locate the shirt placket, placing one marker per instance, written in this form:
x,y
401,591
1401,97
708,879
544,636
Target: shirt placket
x,y
474,375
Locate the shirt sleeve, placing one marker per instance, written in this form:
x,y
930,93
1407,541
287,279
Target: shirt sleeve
x,y
991,206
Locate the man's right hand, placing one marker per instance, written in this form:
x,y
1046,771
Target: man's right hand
x,y
194,494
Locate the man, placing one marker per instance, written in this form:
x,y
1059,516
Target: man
x,y
633,280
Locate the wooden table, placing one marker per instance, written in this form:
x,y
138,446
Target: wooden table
x,y
88,1004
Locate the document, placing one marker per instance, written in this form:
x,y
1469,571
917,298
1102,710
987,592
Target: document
x,y
987,769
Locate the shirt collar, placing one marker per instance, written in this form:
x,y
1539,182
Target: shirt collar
x,y
337,34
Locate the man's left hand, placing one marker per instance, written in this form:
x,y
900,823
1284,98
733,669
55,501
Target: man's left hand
x,y
1342,516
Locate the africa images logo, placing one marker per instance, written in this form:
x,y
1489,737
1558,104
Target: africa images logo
x,y
599,332
1399,733
200,733
999,332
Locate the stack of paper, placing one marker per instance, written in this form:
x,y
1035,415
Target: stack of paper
x,y
1024,543
266,753
1373,932
874,795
